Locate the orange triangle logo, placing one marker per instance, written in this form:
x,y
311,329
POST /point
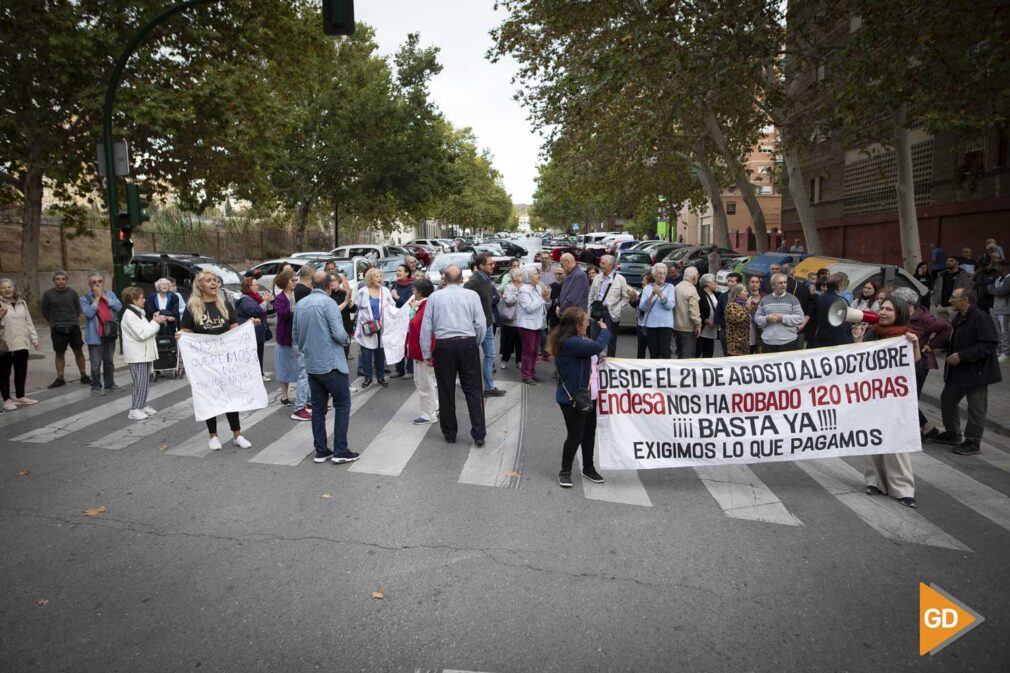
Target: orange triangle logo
x,y
942,619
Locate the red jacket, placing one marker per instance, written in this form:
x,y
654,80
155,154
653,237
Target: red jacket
x,y
414,334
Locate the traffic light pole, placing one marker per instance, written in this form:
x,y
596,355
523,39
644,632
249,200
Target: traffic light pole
x,y
112,198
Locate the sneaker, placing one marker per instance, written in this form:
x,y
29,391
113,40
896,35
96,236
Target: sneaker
x,y
60,381
149,411
85,378
348,457
25,401
10,406
301,415
395,375
137,415
383,383
285,402
421,420
930,434
908,502
949,438
98,391
565,479
538,380
592,475
494,392
480,442
241,442
408,376
966,449
530,382
214,444
873,490
366,383
115,389
354,389
504,364
323,458
1002,358
266,379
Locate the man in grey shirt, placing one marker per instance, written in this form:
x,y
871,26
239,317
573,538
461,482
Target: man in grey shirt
x,y
61,307
780,317
454,319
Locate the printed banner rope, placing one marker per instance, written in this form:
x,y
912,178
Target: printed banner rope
x,y
223,372
818,403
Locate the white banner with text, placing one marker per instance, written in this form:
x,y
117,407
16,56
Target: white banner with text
x,y
818,403
223,371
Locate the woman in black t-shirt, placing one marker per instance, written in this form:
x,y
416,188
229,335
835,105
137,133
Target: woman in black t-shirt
x,y
208,313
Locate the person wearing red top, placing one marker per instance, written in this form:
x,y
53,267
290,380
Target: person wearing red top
x,y
424,373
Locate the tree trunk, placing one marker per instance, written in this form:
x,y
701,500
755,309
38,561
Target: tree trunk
x,y
301,222
798,190
336,224
31,221
720,225
739,174
908,221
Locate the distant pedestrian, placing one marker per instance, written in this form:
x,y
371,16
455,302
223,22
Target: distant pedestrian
x,y
424,373
986,274
403,291
253,304
868,299
891,473
797,247
508,311
576,358
950,279
340,292
1000,292
454,322
655,307
970,368
779,316
937,259
530,321
207,312
101,307
140,349
373,300
992,246
317,330
707,306
289,364
687,315
924,276
480,282
61,308
738,322
609,288
17,334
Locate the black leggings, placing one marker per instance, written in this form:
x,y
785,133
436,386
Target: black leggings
x,y
921,372
511,343
581,431
260,348
658,339
643,343
706,347
233,421
17,360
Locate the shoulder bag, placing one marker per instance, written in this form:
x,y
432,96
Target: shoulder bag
x,y
582,400
373,326
598,309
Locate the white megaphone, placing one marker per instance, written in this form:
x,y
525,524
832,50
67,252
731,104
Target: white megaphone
x,y
840,312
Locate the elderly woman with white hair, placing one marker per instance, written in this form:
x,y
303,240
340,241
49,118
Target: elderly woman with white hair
x,y
655,307
164,302
17,333
531,298
707,305
373,300
508,313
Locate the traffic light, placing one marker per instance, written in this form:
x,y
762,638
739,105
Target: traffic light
x,y
338,17
137,200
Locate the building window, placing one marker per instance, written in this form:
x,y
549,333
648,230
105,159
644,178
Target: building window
x,y
764,189
816,184
766,149
731,207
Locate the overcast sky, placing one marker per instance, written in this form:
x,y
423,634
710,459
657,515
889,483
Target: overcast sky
x,y
471,91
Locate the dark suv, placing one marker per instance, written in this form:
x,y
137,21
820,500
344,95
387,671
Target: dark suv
x,y
147,268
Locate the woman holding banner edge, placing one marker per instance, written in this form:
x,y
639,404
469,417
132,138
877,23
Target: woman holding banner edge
x,y
208,313
890,473
576,357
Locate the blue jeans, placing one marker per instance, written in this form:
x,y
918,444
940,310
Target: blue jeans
x,y
334,384
302,386
487,364
103,367
372,357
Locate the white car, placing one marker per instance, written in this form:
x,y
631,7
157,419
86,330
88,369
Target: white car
x,y
461,259
436,244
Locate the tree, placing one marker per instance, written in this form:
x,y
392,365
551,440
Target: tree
x,y
477,200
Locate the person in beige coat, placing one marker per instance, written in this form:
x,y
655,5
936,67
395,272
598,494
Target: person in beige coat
x,y
611,288
17,333
687,314
139,348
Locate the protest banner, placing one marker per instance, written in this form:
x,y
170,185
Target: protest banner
x,y
223,371
819,403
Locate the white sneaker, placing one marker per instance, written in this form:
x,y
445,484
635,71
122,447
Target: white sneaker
x,y
266,379
10,406
149,411
24,401
214,444
1002,358
241,442
137,415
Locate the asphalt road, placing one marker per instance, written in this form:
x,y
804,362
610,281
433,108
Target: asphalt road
x,y
260,560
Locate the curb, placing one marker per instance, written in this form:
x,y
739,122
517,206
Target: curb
x,y
990,423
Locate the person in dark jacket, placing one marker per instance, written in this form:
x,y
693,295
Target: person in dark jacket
x,y
575,358
403,291
969,370
254,304
481,283
167,303
828,334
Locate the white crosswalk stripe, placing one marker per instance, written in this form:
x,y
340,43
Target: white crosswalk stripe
x,y
985,500
120,404
742,495
499,462
885,515
623,487
195,445
137,430
996,457
392,448
47,405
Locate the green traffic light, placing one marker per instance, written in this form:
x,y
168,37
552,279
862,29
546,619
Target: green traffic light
x,y
138,199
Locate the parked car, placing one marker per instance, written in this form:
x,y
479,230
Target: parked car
x,y
270,268
728,267
860,272
146,268
696,256
632,264
659,250
761,264
510,248
464,260
498,256
432,243
363,249
315,254
423,253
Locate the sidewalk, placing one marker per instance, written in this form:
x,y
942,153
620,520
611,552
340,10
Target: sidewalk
x,y
998,416
42,368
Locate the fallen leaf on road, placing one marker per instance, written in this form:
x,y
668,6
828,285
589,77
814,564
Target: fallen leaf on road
x,y
25,472
512,474
95,511
42,601
378,595
163,447
326,496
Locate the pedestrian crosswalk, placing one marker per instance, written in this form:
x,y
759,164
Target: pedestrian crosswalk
x,y
511,457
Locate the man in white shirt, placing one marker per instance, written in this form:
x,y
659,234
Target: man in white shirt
x,y
611,289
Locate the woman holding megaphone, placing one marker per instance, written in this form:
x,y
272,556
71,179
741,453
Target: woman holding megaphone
x,y
891,473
